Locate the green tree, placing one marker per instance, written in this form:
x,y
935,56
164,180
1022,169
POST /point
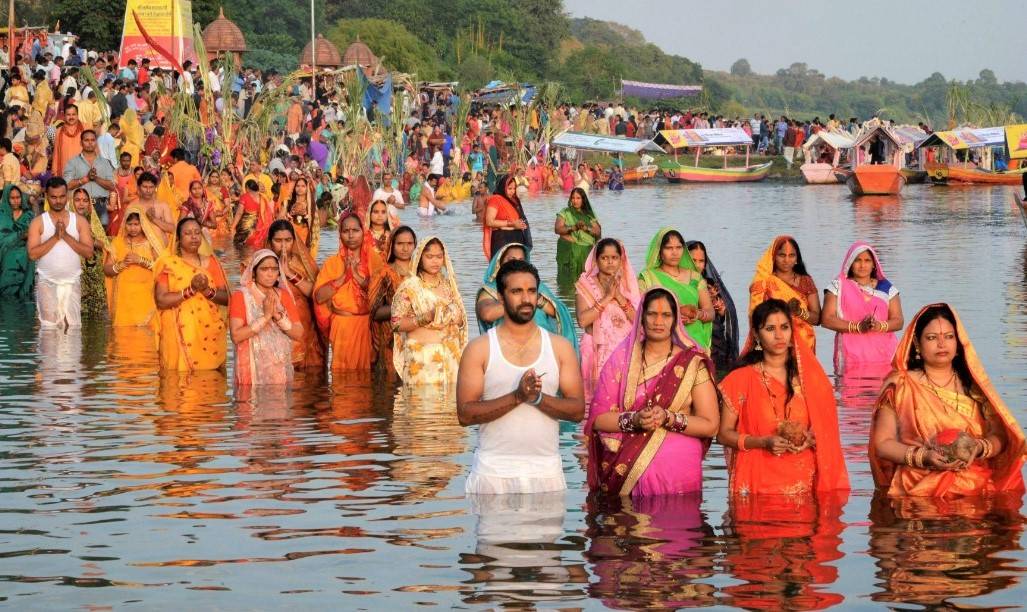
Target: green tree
x,y
592,73
97,24
392,42
741,67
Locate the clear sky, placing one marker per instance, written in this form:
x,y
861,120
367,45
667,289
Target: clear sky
x,y
902,40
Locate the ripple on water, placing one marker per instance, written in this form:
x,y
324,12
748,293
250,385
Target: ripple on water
x,y
176,490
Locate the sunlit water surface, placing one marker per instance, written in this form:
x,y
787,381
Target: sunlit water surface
x,y
174,492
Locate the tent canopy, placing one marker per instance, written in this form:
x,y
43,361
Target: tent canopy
x,y
712,137
968,138
835,140
658,91
609,144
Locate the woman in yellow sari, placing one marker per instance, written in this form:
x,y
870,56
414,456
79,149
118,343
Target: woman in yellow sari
x,y
300,273
429,319
781,274
191,294
132,135
129,270
341,302
940,429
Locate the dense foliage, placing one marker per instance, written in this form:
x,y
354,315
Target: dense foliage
x,y
804,92
474,41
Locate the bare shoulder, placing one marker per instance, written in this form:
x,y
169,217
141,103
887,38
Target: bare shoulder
x,y
561,346
477,350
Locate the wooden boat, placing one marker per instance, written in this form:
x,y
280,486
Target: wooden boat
x,y
822,146
913,176
711,138
882,176
680,173
639,174
951,150
876,180
967,174
1020,205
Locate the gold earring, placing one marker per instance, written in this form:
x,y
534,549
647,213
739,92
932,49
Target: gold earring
x,y
757,347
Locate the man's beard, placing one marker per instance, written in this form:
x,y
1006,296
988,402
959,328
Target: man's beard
x,y
515,315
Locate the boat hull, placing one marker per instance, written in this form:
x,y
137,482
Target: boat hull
x,y
876,180
949,174
677,173
914,177
1020,205
819,174
640,173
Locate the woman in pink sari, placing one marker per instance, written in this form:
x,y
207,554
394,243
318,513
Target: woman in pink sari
x,y
607,296
654,410
566,176
863,307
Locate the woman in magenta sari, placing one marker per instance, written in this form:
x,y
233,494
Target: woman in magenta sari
x,y
566,176
607,296
655,408
863,307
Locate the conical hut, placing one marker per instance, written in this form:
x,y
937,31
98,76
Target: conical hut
x,y
223,36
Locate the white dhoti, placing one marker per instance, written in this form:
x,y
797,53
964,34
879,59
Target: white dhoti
x,y
58,304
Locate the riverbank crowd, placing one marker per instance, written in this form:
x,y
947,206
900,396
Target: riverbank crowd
x,y
110,214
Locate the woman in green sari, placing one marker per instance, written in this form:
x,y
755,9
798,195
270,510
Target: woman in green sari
x,y
17,271
668,264
551,314
94,282
578,230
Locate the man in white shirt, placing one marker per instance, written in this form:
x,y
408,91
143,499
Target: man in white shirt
x,y
518,382
392,197
438,162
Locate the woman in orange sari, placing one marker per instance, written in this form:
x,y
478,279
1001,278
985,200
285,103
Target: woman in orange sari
x,y
778,414
191,294
300,272
940,429
378,227
129,270
301,210
398,267
341,301
781,274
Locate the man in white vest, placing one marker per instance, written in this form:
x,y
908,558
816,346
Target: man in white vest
x,y
517,382
57,241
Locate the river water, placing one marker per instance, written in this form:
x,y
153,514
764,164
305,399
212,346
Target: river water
x,y
174,492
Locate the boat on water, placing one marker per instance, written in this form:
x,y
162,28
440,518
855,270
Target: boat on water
x,y
878,159
641,174
1020,205
710,138
969,156
826,153
617,145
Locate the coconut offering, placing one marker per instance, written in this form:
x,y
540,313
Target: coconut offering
x,y
793,432
954,445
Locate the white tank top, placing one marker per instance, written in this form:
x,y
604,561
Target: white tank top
x,y
523,443
61,264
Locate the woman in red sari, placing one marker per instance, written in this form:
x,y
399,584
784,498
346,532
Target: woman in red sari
x,y
253,218
299,275
778,414
940,429
654,410
505,222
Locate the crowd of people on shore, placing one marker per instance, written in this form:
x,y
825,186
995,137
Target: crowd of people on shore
x,y
103,218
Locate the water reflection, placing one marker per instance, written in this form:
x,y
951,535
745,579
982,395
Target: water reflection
x,y
164,488
650,552
782,547
518,557
932,552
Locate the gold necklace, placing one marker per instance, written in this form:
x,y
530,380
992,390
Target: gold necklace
x,y
773,396
937,390
431,285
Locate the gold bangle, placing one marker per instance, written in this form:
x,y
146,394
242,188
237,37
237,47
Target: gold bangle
x,y
909,455
883,326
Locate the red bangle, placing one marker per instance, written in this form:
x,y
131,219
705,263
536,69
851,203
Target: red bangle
x,y
741,441
210,293
188,293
